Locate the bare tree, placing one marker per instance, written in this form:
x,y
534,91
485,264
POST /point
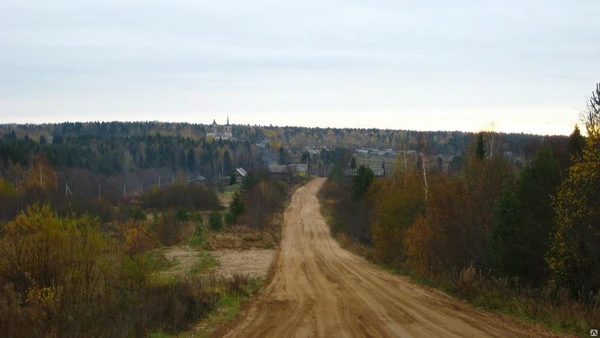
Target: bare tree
x,y
491,140
592,117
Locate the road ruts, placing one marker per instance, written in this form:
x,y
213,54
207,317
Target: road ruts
x,y
322,290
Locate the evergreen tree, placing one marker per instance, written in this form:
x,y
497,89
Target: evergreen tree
x,y
576,145
361,182
523,221
191,160
336,174
305,156
182,160
227,165
215,220
236,208
281,155
481,150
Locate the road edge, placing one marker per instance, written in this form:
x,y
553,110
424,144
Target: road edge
x,y
225,328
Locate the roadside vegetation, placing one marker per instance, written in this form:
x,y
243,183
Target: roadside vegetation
x,y
89,267
521,241
66,276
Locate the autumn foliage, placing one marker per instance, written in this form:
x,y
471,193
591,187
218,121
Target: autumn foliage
x,y
574,255
490,229
396,203
65,276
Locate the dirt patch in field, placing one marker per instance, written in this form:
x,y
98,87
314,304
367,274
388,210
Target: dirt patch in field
x,y
254,263
183,257
243,240
225,200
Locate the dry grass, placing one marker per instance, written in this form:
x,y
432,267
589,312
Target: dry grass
x,y
549,305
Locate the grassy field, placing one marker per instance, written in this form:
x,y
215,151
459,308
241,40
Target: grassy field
x,y
227,195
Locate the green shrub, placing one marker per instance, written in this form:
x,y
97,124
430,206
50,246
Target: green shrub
x,y
182,215
137,214
236,208
215,220
199,236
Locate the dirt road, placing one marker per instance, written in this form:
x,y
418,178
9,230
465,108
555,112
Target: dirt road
x,y
321,290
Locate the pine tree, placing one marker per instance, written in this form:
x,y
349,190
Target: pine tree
x,y
227,165
281,156
523,220
191,160
481,150
576,144
361,182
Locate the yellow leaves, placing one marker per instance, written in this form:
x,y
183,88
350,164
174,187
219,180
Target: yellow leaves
x,y
51,249
577,204
430,239
137,238
271,135
416,243
396,203
40,174
33,220
43,296
448,230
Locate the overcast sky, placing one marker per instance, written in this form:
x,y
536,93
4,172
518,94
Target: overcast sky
x,y
521,66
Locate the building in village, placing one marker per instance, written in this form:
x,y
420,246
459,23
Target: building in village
x,y
288,171
219,132
240,175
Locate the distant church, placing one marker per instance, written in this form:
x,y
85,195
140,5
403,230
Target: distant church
x,y
220,132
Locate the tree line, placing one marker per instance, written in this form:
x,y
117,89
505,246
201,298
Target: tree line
x,y
293,138
490,231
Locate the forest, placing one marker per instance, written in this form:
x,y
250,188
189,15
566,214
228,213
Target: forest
x,y
114,159
90,265
117,147
522,241
84,206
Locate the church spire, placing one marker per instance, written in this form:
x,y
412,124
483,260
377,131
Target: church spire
x,y
227,118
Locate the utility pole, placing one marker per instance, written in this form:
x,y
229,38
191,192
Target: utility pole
x,y
405,165
67,190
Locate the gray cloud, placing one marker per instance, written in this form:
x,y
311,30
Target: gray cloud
x,y
375,57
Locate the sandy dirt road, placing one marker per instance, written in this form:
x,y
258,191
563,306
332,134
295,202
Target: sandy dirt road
x,y
321,290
